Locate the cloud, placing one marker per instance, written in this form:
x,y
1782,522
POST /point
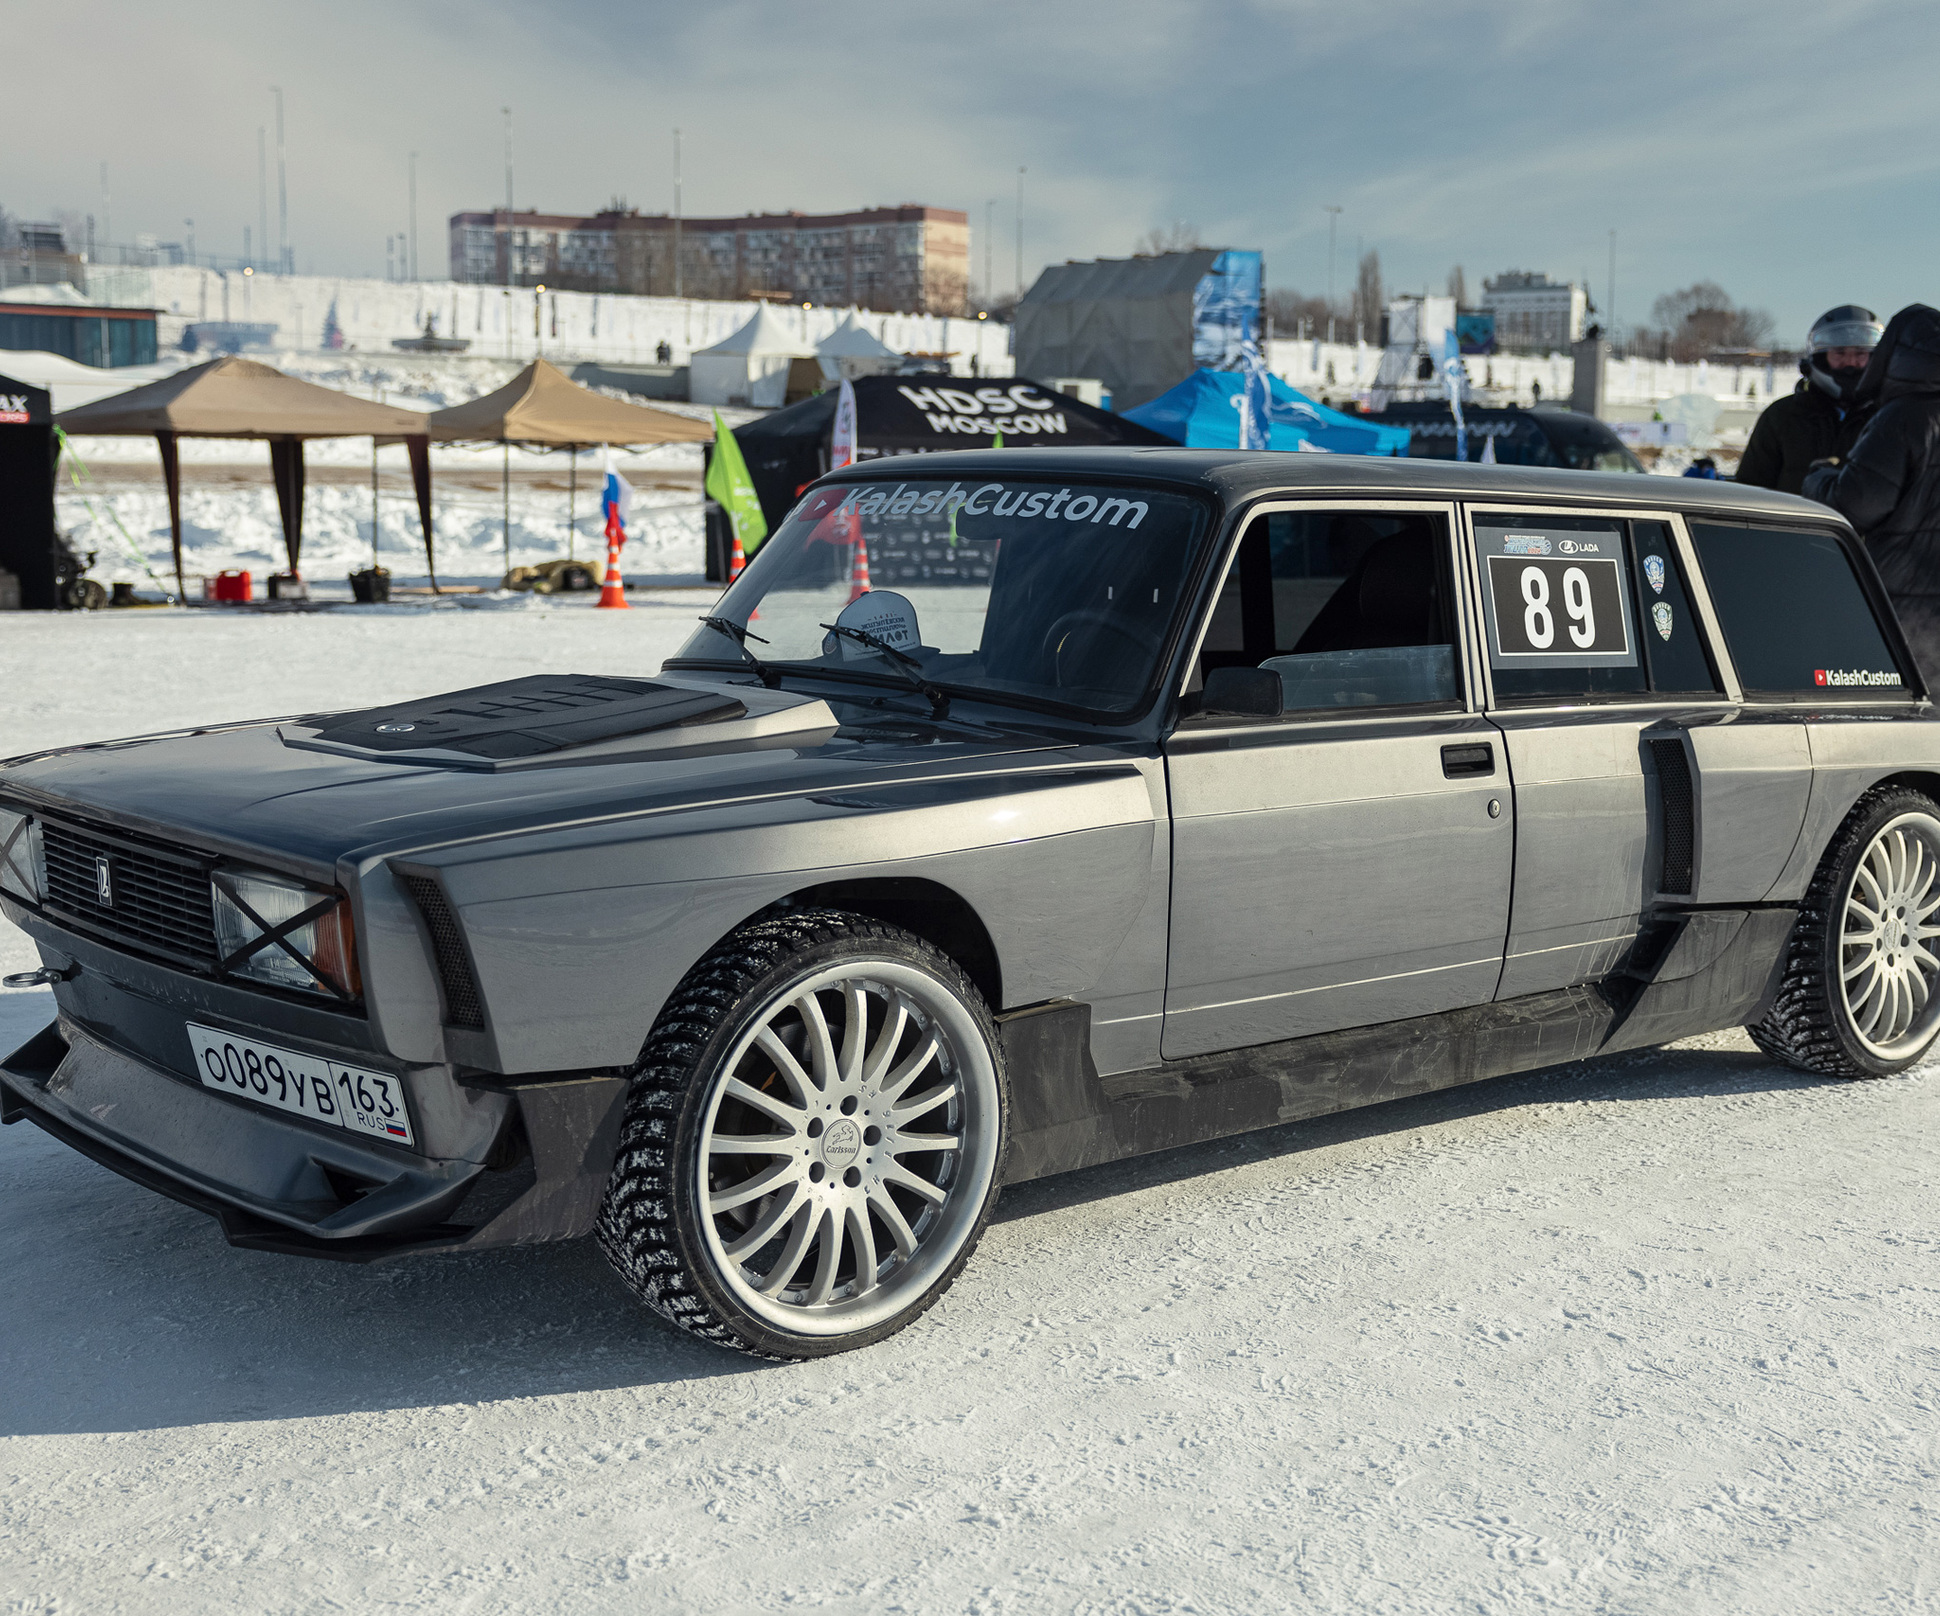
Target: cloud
x,y
1782,148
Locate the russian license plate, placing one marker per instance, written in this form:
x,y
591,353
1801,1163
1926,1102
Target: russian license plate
x,y
304,1085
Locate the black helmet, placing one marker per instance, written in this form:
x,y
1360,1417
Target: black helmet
x,y
1848,326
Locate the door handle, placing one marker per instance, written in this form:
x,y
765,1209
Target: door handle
x,y
1473,761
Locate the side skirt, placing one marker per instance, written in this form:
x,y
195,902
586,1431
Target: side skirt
x,y
1693,971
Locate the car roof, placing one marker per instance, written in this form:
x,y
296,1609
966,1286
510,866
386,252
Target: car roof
x,y
1235,475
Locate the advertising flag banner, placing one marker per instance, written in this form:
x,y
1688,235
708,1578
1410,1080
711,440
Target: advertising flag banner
x,y
729,483
842,435
616,502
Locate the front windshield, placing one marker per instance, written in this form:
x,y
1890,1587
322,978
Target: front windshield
x,y
1027,591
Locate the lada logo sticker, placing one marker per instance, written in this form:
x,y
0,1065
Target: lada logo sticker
x,y
104,881
1660,614
1654,573
1533,546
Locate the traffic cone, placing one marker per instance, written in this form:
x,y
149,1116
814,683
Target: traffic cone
x,y
860,585
613,591
736,560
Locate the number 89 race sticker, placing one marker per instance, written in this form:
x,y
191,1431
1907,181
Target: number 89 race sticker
x,y
1556,600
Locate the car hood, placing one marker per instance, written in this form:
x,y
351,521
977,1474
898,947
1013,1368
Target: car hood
x,y
265,790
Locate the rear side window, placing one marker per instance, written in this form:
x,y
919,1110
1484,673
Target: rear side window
x,y
1668,628
1794,614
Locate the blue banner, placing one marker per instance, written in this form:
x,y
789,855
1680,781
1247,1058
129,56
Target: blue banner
x,y
1226,311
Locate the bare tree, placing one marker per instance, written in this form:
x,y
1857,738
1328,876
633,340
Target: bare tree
x,y
1286,309
1458,287
1179,236
1701,320
1369,299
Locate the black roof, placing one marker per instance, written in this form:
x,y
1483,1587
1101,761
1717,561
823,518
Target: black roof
x,y
1234,474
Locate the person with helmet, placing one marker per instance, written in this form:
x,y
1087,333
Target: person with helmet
x,y
1823,417
1888,484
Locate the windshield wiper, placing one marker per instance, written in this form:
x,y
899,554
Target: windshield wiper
x,y
905,664
740,634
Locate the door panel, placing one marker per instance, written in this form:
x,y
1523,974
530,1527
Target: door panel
x,y
1332,875
1582,840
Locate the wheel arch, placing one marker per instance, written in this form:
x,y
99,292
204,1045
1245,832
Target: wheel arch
x,y
928,908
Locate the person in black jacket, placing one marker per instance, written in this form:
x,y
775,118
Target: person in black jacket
x,y
1822,417
1888,487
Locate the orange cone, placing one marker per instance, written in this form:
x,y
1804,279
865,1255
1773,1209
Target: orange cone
x,y
860,585
613,591
736,560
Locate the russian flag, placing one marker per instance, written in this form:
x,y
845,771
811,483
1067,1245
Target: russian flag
x,y
616,503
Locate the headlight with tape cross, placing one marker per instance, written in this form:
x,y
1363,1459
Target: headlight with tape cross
x,y
284,933
23,866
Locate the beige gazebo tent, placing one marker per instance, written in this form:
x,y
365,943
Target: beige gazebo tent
x,y
240,398
545,408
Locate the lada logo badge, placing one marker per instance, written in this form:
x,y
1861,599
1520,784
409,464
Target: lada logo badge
x,y
840,1143
395,729
104,882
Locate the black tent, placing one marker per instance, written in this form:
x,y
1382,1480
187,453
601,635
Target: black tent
x,y
29,548
910,415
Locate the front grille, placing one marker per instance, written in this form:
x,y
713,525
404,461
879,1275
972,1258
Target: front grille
x,y
462,1008
1679,808
158,898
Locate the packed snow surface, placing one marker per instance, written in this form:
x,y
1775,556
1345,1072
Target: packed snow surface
x,y
1659,1333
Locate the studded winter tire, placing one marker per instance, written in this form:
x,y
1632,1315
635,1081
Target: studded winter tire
x,y
813,1141
1861,992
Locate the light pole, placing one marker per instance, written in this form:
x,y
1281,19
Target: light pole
x,y
1020,232
1333,219
508,157
989,280
414,216
189,226
283,266
676,213
1610,304
262,192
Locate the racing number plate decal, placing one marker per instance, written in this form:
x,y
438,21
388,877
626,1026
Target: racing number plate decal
x,y
304,1085
1556,599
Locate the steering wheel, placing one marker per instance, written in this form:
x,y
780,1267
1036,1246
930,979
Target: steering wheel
x,y
1142,640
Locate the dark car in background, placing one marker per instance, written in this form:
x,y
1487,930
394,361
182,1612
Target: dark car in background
x,y
1555,437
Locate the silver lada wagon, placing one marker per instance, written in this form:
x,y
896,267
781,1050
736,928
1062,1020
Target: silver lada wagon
x,y
1013,812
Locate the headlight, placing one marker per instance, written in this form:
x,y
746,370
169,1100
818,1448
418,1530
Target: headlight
x,y
23,866
322,952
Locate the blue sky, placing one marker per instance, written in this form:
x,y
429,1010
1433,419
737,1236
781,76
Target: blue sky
x,y
1789,151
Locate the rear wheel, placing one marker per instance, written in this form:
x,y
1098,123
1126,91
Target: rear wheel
x,y
1861,991
813,1143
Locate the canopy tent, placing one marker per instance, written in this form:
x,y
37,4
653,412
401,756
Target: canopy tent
x,y
853,350
72,383
750,367
1202,413
241,398
915,415
545,408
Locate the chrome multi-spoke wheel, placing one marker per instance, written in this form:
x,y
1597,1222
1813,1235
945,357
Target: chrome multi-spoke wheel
x,y
848,1146
814,1141
1888,961
1860,992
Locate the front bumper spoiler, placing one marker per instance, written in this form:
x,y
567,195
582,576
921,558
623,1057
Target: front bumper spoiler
x,y
280,1186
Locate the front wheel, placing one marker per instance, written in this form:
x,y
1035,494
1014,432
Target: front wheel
x,y
1861,992
814,1140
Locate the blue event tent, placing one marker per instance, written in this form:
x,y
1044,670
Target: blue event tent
x,y
1201,413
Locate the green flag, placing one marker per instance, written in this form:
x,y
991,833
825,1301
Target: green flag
x,y
728,482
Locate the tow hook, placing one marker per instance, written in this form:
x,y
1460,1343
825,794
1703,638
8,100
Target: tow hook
x,y
46,977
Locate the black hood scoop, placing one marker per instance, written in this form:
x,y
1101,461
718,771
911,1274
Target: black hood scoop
x,y
523,718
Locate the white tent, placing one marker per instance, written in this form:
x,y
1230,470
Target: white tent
x,y
750,367
853,350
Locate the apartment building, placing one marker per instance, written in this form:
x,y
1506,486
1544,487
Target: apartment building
x,y
907,259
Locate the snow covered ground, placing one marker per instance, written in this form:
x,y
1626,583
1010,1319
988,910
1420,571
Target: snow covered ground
x,y
1660,1333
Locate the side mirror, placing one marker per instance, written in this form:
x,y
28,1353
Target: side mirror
x,y
1253,691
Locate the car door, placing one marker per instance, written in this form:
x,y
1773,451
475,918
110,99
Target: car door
x,y
1346,862
1616,722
